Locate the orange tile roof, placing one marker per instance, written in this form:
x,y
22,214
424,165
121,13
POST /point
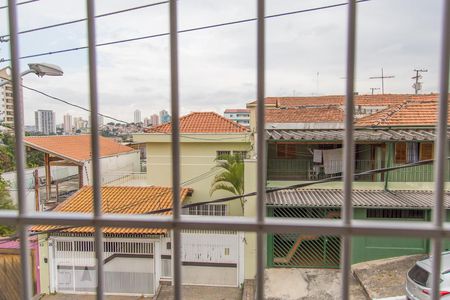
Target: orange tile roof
x,y
118,200
75,147
408,113
367,100
201,122
305,115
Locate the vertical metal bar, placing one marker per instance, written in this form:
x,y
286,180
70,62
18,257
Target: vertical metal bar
x,y
175,147
26,290
441,151
261,149
348,159
95,144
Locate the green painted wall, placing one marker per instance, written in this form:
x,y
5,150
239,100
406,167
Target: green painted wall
x,y
366,248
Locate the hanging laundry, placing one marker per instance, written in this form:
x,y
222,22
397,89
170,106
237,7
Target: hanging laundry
x,y
332,161
317,156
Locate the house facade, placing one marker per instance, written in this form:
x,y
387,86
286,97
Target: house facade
x,y
71,155
305,140
136,260
204,136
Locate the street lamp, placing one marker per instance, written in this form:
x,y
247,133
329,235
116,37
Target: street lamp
x,y
40,69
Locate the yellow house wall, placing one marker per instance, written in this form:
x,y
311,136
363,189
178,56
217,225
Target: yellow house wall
x,y
250,212
197,158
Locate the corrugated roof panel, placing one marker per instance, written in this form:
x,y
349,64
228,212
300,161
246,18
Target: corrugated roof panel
x,y
360,198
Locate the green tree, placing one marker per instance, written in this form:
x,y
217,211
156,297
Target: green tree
x,y
5,203
231,178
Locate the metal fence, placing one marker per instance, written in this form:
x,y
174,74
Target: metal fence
x,y
346,227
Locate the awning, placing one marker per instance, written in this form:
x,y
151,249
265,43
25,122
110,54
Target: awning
x,y
361,135
360,198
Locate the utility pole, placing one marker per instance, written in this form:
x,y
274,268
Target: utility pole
x,y
36,190
374,89
418,85
382,77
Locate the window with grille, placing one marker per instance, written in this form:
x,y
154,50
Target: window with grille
x,y
373,213
222,154
209,210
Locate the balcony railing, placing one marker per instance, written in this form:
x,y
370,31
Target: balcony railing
x,y
307,170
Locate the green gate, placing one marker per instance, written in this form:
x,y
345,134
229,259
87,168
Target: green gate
x,y
303,251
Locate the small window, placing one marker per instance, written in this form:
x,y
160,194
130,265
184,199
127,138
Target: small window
x,y
286,151
209,210
168,245
426,151
222,154
395,213
406,152
227,251
240,154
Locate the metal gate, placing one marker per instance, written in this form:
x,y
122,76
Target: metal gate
x,y
212,258
304,251
128,264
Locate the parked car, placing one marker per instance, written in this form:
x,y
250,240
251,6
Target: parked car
x,y
418,279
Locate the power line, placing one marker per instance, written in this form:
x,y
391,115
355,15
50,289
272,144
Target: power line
x,y
272,190
85,19
183,31
20,3
301,185
67,102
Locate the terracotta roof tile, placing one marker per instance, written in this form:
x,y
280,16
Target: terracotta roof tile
x,y
375,100
201,122
408,113
75,147
118,200
305,115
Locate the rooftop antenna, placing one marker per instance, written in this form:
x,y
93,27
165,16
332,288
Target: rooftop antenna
x,y
317,82
382,77
417,86
374,89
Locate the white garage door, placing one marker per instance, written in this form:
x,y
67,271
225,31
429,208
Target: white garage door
x,y
213,258
128,266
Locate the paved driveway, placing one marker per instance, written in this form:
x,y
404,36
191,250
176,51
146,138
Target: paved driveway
x,y
311,284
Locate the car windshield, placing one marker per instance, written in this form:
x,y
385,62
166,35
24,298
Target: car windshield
x,y
419,275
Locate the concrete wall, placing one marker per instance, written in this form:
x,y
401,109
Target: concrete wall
x,y
57,172
128,162
197,159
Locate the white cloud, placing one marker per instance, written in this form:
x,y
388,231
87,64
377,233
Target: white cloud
x,y
217,66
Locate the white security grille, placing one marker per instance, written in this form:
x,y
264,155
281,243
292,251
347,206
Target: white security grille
x,y
346,227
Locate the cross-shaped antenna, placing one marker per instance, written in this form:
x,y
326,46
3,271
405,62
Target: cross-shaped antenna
x,y
382,77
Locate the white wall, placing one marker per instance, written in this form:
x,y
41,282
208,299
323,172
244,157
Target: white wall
x,y
57,172
122,163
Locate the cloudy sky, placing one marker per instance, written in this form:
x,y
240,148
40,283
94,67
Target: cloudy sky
x,y
305,52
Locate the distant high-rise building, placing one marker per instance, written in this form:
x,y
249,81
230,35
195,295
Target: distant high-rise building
x,y
6,100
154,120
239,115
164,117
137,116
45,121
146,122
67,125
